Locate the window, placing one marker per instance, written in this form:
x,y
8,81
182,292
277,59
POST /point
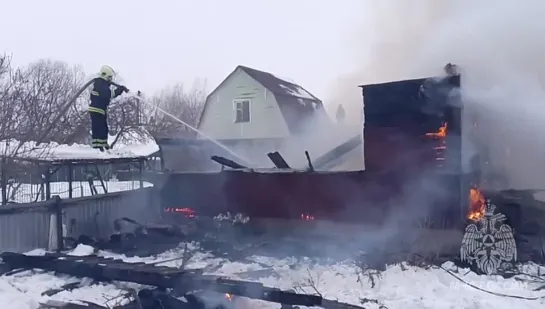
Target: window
x,y
242,110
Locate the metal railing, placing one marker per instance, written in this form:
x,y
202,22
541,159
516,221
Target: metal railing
x,y
43,225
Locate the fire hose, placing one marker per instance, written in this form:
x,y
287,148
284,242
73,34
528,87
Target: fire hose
x,y
64,110
70,102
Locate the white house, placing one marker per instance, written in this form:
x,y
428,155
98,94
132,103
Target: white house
x,y
255,112
252,104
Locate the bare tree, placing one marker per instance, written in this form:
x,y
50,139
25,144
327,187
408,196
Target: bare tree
x,y
11,124
48,87
124,119
30,99
15,128
11,93
183,103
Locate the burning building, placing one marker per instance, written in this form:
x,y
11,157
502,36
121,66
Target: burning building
x,y
413,131
413,164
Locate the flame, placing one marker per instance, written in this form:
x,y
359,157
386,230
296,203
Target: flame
x,y
440,134
307,217
229,297
476,204
187,212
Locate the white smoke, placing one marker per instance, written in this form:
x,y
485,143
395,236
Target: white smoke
x,y
500,48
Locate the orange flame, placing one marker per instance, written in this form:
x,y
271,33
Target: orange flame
x,y
442,132
229,297
476,205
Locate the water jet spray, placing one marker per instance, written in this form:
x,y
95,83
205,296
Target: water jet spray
x,y
192,128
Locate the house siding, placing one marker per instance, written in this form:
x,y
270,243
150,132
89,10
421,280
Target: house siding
x,y
266,120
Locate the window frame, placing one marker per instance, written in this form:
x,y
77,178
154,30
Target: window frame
x,y
240,103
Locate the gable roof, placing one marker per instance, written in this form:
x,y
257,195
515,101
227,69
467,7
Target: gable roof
x,y
296,104
278,86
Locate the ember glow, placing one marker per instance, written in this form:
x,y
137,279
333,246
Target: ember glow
x,y
187,212
442,132
229,297
440,135
307,217
476,205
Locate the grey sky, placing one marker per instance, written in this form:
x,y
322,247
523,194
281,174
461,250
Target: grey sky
x,y
156,43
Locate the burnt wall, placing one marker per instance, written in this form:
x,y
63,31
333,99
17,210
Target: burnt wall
x,y
403,134
398,117
403,177
344,196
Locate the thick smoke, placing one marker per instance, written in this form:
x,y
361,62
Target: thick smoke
x,y
500,50
317,134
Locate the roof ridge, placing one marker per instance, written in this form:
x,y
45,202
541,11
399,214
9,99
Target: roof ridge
x,y
278,85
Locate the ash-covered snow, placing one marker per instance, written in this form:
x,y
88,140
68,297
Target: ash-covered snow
x,y
399,286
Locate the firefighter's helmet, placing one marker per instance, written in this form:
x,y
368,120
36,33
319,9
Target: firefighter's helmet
x,y
107,72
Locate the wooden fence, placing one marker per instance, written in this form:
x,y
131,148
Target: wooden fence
x,y
42,225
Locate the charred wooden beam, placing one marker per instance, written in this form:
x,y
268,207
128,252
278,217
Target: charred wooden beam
x,y
335,153
182,282
226,162
67,287
278,160
309,161
56,304
99,268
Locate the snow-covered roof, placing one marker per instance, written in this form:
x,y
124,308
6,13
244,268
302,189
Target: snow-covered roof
x,y
130,145
278,85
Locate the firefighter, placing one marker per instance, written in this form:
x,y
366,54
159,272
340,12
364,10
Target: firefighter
x,y
101,94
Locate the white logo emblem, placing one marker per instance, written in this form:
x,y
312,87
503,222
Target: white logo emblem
x,y
490,244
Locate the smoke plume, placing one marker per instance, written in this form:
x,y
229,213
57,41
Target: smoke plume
x,y
499,48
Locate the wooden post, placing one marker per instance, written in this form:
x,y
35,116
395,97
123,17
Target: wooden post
x,y
60,223
141,172
70,180
56,226
47,181
161,157
3,181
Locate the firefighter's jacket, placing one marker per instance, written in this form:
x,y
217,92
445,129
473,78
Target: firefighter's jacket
x,y
101,95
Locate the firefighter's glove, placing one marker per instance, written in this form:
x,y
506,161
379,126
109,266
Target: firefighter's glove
x,y
123,89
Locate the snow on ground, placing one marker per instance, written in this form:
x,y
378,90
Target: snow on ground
x,y
398,287
131,144
26,193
